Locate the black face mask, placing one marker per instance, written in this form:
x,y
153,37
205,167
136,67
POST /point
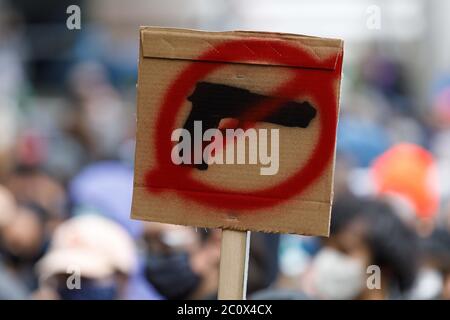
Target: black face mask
x,y
171,275
89,291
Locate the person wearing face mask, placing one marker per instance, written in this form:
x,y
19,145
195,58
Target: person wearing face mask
x,y
182,263
23,241
433,281
365,235
90,258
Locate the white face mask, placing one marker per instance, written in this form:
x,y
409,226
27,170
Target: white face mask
x,y
337,276
429,283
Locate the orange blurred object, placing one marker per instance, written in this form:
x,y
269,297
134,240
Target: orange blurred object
x,y
409,171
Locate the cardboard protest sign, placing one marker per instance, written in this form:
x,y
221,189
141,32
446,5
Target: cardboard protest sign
x,y
236,130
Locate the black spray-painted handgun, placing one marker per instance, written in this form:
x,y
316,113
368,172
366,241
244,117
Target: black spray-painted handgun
x,y
213,102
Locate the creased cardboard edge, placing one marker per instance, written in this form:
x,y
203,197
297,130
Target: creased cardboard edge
x,y
166,34
203,224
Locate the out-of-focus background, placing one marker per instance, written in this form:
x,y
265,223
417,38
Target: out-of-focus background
x,y
67,121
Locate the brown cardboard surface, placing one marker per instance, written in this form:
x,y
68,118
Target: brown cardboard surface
x,y
164,54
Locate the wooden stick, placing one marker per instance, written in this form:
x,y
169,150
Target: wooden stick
x,y
233,265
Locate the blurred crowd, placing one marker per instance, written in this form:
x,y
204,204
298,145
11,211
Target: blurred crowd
x,y
67,121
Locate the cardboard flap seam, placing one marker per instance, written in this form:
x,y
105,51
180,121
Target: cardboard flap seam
x,y
175,44
249,63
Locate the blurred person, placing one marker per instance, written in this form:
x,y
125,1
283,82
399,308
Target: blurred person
x,y
23,240
178,254
31,148
106,187
29,184
295,255
90,247
434,277
386,74
406,175
182,263
8,207
363,233
100,120
10,286
263,261
361,133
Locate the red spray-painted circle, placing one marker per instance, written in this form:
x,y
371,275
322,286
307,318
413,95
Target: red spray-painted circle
x,y
320,86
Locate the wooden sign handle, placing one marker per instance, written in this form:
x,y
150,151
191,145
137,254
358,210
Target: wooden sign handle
x,y
233,265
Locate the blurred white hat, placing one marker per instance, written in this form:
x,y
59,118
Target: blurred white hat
x,y
92,244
